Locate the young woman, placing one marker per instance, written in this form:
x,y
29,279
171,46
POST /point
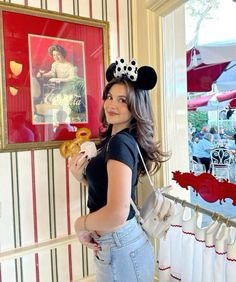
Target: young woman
x,y
122,250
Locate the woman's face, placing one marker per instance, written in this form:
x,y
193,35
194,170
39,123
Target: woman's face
x,y
116,109
57,56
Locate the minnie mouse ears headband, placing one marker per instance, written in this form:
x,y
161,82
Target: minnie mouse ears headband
x,y
144,77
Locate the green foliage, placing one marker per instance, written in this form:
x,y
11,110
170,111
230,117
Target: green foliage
x,y
196,8
198,119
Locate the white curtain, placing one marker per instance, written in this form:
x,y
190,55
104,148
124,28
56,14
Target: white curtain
x,y
189,253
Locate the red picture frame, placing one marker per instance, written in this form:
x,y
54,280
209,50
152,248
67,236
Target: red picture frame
x,y
52,69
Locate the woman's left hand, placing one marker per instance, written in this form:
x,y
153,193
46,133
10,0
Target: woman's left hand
x,y
55,79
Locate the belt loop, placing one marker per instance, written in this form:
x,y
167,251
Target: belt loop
x,y
116,239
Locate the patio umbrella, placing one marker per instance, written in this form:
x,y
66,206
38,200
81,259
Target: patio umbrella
x,y
232,104
211,101
226,96
217,52
197,102
201,76
227,79
211,63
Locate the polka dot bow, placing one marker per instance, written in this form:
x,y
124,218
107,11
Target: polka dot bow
x,y
122,69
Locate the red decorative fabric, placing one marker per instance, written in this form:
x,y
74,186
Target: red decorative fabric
x,y
207,186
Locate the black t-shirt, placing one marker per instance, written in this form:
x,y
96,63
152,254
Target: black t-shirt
x,y
120,147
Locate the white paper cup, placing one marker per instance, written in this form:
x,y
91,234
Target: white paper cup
x,y
89,148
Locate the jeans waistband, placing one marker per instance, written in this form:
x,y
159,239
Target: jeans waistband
x,y
122,235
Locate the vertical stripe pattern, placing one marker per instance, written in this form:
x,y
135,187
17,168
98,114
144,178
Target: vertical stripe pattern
x,y
117,28
16,213
34,215
43,205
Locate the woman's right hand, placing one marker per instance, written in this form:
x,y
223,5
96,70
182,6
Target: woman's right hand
x,y
77,165
40,73
87,239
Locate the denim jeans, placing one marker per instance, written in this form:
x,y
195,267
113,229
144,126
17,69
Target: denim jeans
x,y
126,255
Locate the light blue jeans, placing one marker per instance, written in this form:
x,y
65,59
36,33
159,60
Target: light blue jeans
x,y
126,255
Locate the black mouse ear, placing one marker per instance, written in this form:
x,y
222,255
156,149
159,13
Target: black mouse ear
x,y
110,72
147,78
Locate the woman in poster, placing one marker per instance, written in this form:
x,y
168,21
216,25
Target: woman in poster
x,y
62,86
61,69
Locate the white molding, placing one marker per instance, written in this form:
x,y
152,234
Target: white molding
x,y
153,5
165,50
35,248
163,6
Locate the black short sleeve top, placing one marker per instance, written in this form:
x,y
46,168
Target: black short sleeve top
x,y
120,147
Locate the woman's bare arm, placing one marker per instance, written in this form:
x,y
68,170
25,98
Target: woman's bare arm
x,y
116,211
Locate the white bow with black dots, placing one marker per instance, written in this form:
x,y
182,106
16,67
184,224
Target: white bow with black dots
x,y
122,69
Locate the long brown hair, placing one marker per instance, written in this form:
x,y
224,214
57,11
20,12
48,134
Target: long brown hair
x,y
141,126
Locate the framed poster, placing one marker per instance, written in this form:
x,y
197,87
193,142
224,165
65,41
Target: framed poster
x,y
52,69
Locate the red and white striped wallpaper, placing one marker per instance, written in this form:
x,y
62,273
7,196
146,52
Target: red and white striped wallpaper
x,y
39,199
